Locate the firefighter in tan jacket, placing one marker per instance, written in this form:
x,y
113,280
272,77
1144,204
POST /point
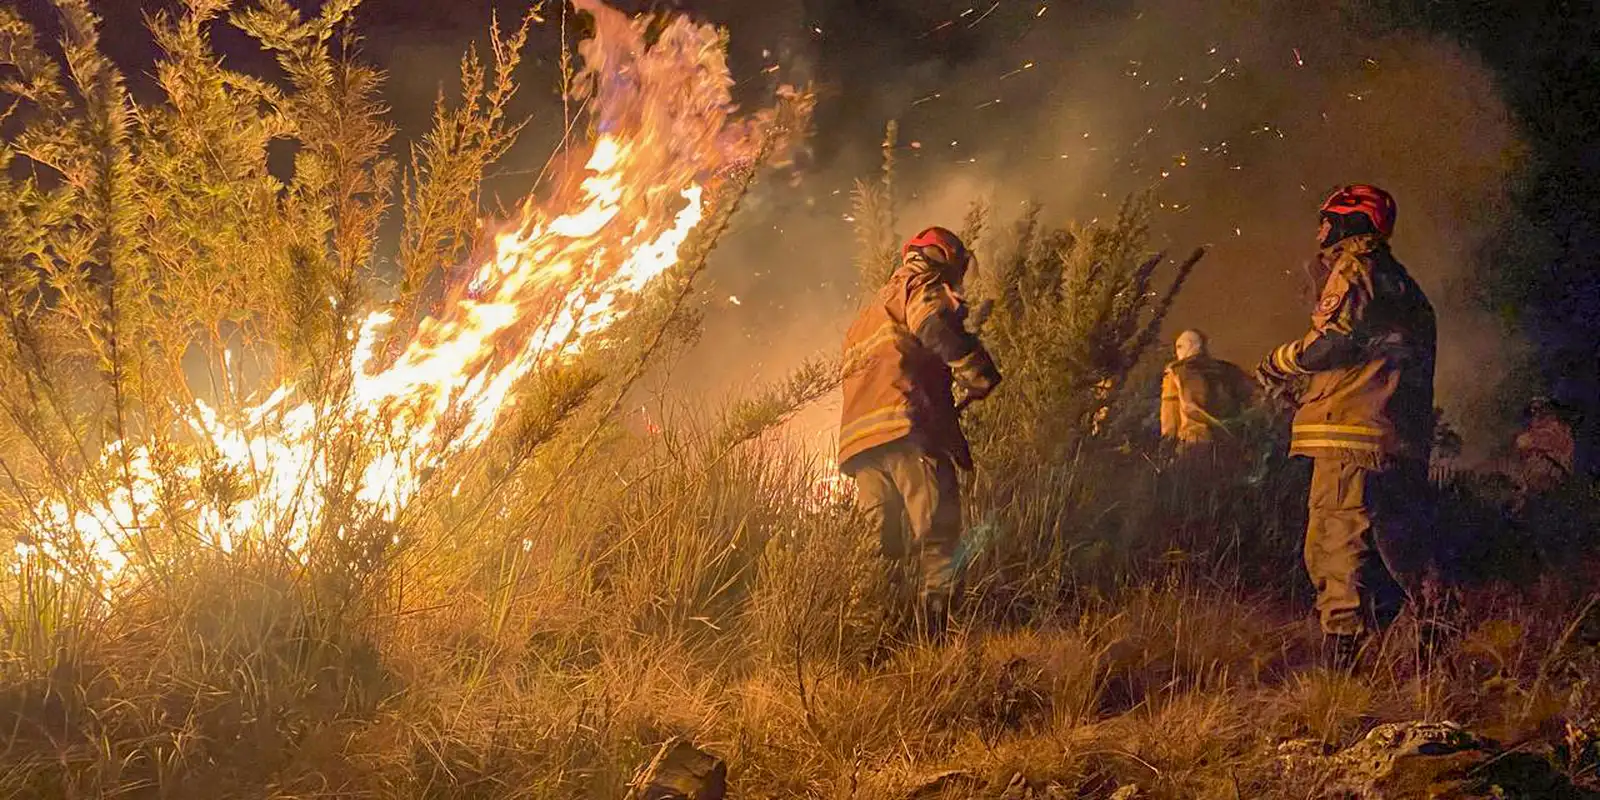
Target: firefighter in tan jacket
x,y
1199,396
1365,417
900,434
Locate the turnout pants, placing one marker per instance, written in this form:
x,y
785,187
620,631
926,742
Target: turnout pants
x,y
1368,542
913,498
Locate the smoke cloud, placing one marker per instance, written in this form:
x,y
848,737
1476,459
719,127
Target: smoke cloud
x,y
1239,117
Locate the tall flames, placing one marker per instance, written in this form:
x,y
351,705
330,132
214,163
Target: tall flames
x,y
558,276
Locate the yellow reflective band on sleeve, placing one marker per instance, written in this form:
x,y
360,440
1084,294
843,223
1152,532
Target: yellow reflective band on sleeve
x,y
1283,358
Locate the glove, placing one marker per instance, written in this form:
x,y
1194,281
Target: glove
x,y
978,391
1270,377
970,397
977,375
1280,390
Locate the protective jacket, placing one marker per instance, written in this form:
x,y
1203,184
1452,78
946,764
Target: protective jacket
x,y
1199,395
1368,361
900,358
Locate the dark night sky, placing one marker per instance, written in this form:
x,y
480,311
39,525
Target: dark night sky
x,y
1478,115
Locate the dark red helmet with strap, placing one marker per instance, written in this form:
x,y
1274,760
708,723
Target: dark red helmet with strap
x,y
1370,201
940,247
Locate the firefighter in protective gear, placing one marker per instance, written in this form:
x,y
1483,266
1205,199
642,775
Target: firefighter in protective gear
x,y
1200,395
900,434
1366,418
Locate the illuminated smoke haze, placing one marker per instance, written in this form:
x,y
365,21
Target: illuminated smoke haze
x,y
1239,116
1303,94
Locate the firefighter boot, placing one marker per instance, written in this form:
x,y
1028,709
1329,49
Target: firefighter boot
x,y
1341,652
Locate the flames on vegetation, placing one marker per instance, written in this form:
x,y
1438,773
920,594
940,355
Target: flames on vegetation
x,y
557,277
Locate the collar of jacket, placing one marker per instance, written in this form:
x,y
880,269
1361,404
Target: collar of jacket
x,y
918,263
1358,245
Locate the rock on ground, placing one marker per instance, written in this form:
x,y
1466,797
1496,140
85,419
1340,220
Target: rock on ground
x,y
681,771
1409,760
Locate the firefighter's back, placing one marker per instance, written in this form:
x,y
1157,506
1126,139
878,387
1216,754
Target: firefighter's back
x,y
1380,404
1220,387
894,386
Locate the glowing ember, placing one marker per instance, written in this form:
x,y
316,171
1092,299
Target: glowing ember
x,y
558,276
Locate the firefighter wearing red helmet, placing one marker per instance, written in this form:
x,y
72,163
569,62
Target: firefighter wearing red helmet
x,y
1364,391
900,433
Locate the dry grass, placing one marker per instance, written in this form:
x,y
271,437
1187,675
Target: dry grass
x,y
701,601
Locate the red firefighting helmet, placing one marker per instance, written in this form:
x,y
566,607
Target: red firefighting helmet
x,y
1360,198
939,245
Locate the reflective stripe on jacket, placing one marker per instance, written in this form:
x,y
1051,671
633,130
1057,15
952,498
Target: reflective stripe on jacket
x,y
1369,361
895,386
1199,394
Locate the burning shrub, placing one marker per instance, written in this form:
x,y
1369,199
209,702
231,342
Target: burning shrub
x,y
342,449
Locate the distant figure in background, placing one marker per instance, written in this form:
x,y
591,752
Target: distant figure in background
x,y
1366,419
1545,450
900,434
1200,397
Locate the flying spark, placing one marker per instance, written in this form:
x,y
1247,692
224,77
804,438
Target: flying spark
x,y
1018,70
985,14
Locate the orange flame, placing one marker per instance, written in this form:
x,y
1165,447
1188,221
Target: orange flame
x,y
560,275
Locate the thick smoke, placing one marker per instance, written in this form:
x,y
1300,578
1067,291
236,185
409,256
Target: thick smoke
x,y
1238,116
